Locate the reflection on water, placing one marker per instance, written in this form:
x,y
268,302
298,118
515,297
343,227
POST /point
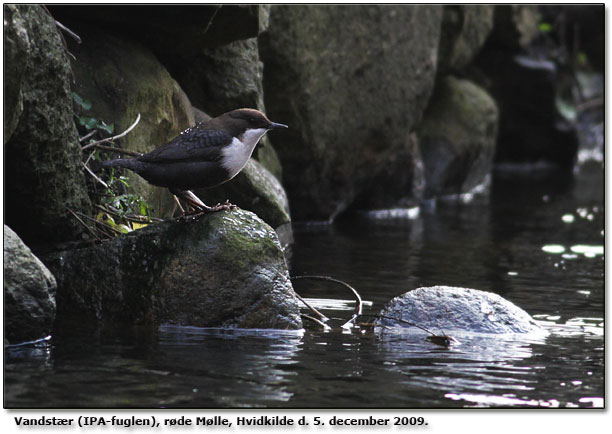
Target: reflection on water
x,y
515,242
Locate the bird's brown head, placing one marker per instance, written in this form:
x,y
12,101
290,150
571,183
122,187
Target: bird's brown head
x,y
242,119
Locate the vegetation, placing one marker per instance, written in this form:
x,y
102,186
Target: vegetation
x,y
116,209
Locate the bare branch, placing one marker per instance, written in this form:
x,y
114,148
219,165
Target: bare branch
x,y
321,323
110,139
96,177
70,32
91,133
316,312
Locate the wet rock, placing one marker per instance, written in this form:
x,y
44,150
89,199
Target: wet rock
x,y
443,309
29,292
254,189
457,137
225,269
16,52
464,31
351,106
402,185
44,176
225,78
121,79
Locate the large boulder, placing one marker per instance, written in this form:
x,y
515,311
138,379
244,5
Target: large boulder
x,y
465,28
402,185
29,292
122,79
446,309
16,52
225,269
43,174
350,96
457,137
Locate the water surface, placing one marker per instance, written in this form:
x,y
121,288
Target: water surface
x,y
536,239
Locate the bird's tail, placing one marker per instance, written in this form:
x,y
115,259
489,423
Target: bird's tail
x,y
127,163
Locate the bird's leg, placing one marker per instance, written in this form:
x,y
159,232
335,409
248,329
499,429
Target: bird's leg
x,y
177,204
196,203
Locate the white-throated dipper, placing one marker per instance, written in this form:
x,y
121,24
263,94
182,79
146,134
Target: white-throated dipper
x,y
203,156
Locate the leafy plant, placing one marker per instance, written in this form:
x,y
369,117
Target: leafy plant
x,y
118,209
90,123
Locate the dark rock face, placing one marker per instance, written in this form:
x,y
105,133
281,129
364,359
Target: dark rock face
x,y
16,52
445,308
401,185
123,79
464,31
224,270
457,137
225,78
44,176
353,104
515,27
166,27
531,129
29,292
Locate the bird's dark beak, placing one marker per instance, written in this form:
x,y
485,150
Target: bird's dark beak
x,y
274,125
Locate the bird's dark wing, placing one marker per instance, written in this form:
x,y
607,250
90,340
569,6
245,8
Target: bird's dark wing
x,y
193,144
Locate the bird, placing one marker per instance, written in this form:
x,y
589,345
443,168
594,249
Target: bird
x,y
204,156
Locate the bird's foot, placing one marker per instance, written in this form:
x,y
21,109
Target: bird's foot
x,y
200,210
225,206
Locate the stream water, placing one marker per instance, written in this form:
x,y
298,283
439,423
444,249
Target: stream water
x,y
537,240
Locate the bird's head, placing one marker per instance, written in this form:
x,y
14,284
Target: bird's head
x,y
249,119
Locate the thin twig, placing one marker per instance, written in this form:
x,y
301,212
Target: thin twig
x,y
311,318
91,133
212,18
70,32
84,224
110,139
89,157
130,217
100,223
315,311
401,321
96,177
358,306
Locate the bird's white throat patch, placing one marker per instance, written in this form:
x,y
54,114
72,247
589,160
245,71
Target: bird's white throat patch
x,y
237,153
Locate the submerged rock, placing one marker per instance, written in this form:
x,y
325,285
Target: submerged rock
x,y
443,309
29,292
225,269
